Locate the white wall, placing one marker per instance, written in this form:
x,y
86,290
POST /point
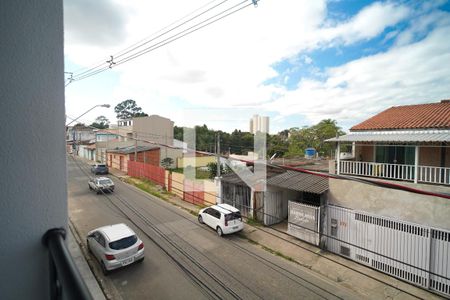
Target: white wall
x,y
33,163
401,205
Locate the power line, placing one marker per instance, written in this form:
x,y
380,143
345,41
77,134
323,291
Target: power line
x,y
111,63
147,40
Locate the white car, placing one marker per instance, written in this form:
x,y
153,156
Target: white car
x,y
115,246
223,218
101,184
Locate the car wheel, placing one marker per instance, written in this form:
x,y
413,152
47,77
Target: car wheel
x,y
104,270
200,219
88,246
90,187
219,231
98,192
141,260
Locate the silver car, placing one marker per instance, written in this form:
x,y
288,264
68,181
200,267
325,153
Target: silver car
x,y
115,246
101,184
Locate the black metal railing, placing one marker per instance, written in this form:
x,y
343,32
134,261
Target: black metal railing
x,y
65,279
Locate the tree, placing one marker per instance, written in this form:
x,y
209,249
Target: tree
x,y
128,109
101,122
166,162
212,169
314,136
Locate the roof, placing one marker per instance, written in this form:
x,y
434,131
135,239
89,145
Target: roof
x,y
116,232
298,181
131,149
235,179
225,208
404,136
291,180
421,116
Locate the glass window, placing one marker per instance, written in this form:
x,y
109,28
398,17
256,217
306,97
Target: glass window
x,y
105,181
233,216
123,243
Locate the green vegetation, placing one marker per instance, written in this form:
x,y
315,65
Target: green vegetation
x,y
128,109
101,122
212,170
199,173
149,187
166,162
278,253
288,143
254,222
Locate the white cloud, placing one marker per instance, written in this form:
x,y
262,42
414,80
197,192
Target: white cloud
x,y
368,23
410,74
225,64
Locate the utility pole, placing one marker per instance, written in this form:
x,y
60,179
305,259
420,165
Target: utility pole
x,y
218,154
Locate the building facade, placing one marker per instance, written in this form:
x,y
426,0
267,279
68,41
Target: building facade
x,y
259,124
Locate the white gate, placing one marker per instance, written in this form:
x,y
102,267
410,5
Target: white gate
x,y
303,222
275,208
412,252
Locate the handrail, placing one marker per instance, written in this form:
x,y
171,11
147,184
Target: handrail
x,y
65,279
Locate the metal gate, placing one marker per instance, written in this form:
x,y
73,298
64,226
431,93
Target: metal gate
x,y
303,222
415,253
275,207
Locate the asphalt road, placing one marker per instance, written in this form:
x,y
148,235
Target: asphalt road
x,y
186,260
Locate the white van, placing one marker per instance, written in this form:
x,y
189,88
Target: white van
x,y
223,218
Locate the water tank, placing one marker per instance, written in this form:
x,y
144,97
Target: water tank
x,y
310,152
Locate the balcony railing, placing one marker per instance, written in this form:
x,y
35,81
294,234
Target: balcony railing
x,y
426,174
65,280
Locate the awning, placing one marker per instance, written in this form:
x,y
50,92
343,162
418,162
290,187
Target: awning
x,y
396,136
301,182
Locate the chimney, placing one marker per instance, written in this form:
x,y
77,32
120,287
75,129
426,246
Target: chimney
x,y
445,101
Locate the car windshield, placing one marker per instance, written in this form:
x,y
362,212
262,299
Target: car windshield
x,y
233,216
105,181
101,166
123,243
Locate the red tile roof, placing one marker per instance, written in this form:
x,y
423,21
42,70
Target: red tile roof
x,y
421,116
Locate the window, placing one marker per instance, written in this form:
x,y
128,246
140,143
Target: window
x,y
105,181
123,243
100,239
214,213
233,216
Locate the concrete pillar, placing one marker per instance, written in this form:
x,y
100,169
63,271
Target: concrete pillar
x,y
416,164
338,158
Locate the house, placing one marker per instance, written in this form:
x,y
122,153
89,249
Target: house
x,y
406,143
118,158
288,195
149,131
394,230
78,136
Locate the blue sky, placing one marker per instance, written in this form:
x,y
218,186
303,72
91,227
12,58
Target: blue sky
x,y
296,61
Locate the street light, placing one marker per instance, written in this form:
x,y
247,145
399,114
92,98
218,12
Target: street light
x,y
101,105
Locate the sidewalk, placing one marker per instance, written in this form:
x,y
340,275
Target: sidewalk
x,y
82,265
366,282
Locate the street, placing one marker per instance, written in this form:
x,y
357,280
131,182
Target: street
x,y
186,260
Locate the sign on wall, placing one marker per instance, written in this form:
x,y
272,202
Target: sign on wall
x,y
303,222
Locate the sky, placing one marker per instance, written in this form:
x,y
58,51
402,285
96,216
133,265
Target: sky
x,y
298,62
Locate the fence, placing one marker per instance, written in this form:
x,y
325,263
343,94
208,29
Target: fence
x,y
427,174
200,192
415,253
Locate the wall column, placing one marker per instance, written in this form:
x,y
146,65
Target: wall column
x,y
338,158
416,164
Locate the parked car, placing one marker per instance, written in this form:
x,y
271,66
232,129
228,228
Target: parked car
x,y
101,184
99,169
115,246
223,218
